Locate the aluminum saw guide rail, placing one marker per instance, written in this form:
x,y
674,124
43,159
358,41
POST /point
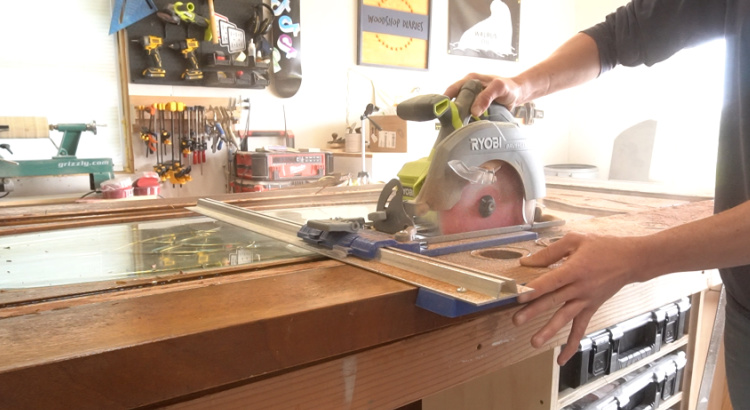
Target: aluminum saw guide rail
x,y
444,288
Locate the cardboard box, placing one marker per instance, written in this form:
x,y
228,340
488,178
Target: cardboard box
x,y
392,137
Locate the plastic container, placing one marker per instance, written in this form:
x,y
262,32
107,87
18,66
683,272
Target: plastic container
x,y
117,188
146,190
120,193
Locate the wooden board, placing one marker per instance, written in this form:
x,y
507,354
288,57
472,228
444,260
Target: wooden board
x,y
24,219
25,127
152,345
619,224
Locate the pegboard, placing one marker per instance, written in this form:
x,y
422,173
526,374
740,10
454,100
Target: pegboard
x,y
219,65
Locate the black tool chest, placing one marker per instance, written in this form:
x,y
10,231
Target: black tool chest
x,y
616,347
644,389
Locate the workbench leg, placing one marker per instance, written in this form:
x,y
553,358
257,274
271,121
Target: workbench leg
x,y
703,312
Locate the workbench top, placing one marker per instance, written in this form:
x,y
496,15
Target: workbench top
x,y
301,334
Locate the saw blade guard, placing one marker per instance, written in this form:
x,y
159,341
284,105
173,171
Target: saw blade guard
x,y
475,175
473,145
485,206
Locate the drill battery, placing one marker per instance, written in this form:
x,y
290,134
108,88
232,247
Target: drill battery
x,y
283,165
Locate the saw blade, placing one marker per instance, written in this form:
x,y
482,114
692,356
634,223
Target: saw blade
x,y
487,206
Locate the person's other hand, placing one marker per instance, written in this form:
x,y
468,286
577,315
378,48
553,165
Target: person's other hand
x,y
593,269
502,90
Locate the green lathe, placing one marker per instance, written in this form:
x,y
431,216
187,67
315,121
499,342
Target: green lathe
x,y
64,163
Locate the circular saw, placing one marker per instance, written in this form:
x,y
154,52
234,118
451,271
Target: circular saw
x,y
481,174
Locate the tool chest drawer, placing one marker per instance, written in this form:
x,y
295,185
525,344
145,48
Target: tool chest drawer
x,y
616,347
643,389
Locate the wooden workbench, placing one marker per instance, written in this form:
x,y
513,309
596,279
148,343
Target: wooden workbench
x,y
312,334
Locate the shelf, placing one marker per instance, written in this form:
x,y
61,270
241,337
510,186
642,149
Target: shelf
x,y
569,396
671,401
368,154
353,154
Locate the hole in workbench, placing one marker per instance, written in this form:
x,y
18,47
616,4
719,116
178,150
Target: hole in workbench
x,y
500,253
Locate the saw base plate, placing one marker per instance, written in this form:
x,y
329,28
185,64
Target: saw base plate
x,y
365,243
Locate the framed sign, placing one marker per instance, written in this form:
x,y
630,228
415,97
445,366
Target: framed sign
x,y
484,28
394,33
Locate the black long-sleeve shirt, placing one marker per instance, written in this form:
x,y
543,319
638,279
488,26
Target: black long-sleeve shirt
x,y
649,31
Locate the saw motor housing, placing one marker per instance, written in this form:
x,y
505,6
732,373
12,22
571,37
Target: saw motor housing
x,y
477,144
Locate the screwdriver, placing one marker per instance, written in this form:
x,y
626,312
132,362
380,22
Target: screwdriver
x,y
165,136
189,150
172,107
146,133
184,143
153,143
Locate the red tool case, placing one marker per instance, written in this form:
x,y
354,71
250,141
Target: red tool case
x,y
280,166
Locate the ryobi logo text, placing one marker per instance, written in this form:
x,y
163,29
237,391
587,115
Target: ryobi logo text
x,y
479,143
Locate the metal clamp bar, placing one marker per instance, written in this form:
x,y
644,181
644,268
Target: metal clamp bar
x,y
461,279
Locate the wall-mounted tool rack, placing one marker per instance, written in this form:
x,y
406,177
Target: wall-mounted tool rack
x,y
165,49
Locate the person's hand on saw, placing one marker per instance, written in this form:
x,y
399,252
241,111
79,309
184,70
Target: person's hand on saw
x,y
504,91
575,62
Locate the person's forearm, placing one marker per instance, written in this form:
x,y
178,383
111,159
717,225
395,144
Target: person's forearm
x,y
573,63
719,241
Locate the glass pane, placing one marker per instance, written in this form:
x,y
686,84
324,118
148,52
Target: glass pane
x,y
130,250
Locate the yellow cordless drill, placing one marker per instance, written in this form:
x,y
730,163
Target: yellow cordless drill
x,y
188,47
152,44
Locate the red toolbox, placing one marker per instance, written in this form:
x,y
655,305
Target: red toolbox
x,y
282,165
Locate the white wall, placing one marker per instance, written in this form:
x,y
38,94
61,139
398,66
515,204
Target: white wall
x,y
335,90
579,125
683,94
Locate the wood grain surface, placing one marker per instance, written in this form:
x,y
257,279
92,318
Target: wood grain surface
x,y
136,349
313,334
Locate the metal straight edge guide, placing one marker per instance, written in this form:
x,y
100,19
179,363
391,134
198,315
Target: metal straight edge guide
x,y
445,288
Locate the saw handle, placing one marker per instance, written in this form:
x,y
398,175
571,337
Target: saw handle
x,y
465,98
451,114
498,113
424,107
